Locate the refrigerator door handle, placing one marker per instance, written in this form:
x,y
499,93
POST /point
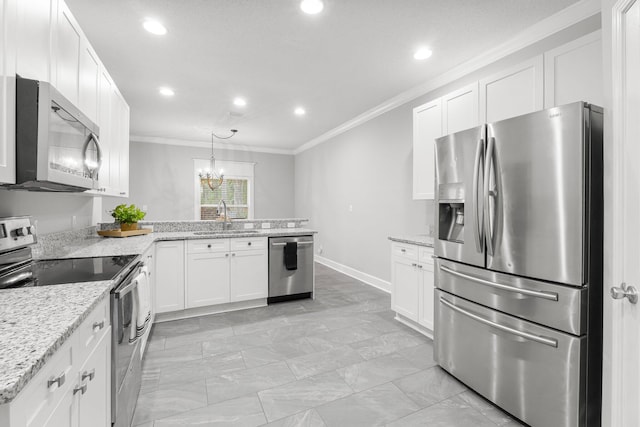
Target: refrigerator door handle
x,y
526,335
478,214
538,294
488,162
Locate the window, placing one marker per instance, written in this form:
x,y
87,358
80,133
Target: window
x,y
236,191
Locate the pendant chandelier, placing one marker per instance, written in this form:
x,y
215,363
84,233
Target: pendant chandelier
x,y
213,179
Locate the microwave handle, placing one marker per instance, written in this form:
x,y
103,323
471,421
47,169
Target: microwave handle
x,y
94,137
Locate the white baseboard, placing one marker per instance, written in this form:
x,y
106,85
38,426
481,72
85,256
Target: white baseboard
x,y
211,309
376,282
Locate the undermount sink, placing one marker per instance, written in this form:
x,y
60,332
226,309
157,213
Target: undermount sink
x,y
204,233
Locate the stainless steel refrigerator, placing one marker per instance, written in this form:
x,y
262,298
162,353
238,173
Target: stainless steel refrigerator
x,y
518,299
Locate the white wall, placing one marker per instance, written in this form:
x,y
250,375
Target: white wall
x,y
370,168
52,211
161,177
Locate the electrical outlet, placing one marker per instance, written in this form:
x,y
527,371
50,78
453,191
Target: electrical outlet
x,y
74,221
248,226
144,208
431,229
266,225
350,208
291,225
320,249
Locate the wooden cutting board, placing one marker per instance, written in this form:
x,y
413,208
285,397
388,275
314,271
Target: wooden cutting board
x,y
120,233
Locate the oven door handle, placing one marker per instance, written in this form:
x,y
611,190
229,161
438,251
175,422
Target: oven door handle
x,y
125,290
538,294
526,335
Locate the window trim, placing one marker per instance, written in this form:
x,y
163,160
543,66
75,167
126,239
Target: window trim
x,y
232,170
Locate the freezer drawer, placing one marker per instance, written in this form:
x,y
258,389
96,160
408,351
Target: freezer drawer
x,y
528,370
553,305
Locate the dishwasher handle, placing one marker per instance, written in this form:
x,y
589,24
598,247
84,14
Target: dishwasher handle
x,y
284,244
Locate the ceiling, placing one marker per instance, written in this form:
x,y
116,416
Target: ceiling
x,y
338,64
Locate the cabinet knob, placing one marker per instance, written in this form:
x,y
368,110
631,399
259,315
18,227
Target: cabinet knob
x,y
98,325
413,264
233,254
249,244
226,255
89,374
82,388
403,250
625,291
208,246
59,380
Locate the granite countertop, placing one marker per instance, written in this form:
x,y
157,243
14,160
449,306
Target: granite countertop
x,y
35,322
417,239
110,246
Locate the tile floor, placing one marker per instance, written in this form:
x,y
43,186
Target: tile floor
x,y
338,360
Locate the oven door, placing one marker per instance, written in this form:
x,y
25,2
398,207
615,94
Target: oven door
x,y
534,372
126,359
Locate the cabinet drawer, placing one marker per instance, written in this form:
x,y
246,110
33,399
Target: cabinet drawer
x,y
425,255
93,328
39,399
248,243
204,246
404,250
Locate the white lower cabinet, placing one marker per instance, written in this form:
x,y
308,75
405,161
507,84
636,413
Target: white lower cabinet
x,y
74,387
412,287
249,275
207,279
169,276
208,272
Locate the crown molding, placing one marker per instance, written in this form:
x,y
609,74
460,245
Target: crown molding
x,y
204,144
567,17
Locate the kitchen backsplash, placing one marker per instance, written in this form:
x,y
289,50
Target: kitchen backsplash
x,y
50,242
237,224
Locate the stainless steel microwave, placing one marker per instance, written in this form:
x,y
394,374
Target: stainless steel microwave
x,y
57,146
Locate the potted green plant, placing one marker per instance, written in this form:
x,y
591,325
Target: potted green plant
x,y
128,216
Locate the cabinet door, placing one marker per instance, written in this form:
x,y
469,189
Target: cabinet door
x,y
427,126
512,92
207,279
169,277
64,414
405,278
94,405
573,72
104,122
8,16
426,295
119,146
89,81
460,109
249,275
67,42
33,39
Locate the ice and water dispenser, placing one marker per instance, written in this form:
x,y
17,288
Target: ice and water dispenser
x,y
451,212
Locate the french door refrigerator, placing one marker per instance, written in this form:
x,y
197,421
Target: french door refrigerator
x,y
518,296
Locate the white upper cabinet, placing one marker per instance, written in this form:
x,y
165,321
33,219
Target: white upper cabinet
x,y
427,126
67,40
573,72
89,81
460,109
513,92
34,38
8,18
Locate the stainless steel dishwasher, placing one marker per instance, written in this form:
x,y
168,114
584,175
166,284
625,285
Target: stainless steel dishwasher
x,y
290,268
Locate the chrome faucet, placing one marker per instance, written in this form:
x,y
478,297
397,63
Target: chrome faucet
x,y
224,223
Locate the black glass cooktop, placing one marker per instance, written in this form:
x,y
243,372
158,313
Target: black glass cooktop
x,y
72,270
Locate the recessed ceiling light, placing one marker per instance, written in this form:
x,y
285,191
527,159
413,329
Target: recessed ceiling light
x,y
422,53
240,102
299,111
166,91
311,7
154,27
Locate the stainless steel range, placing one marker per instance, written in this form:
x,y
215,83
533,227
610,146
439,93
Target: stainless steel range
x,y
518,304
19,269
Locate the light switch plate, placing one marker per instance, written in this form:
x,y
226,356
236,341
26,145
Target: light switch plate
x,y
266,225
291,225
248,226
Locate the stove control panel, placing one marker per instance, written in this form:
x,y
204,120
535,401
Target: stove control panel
x,y
16,232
